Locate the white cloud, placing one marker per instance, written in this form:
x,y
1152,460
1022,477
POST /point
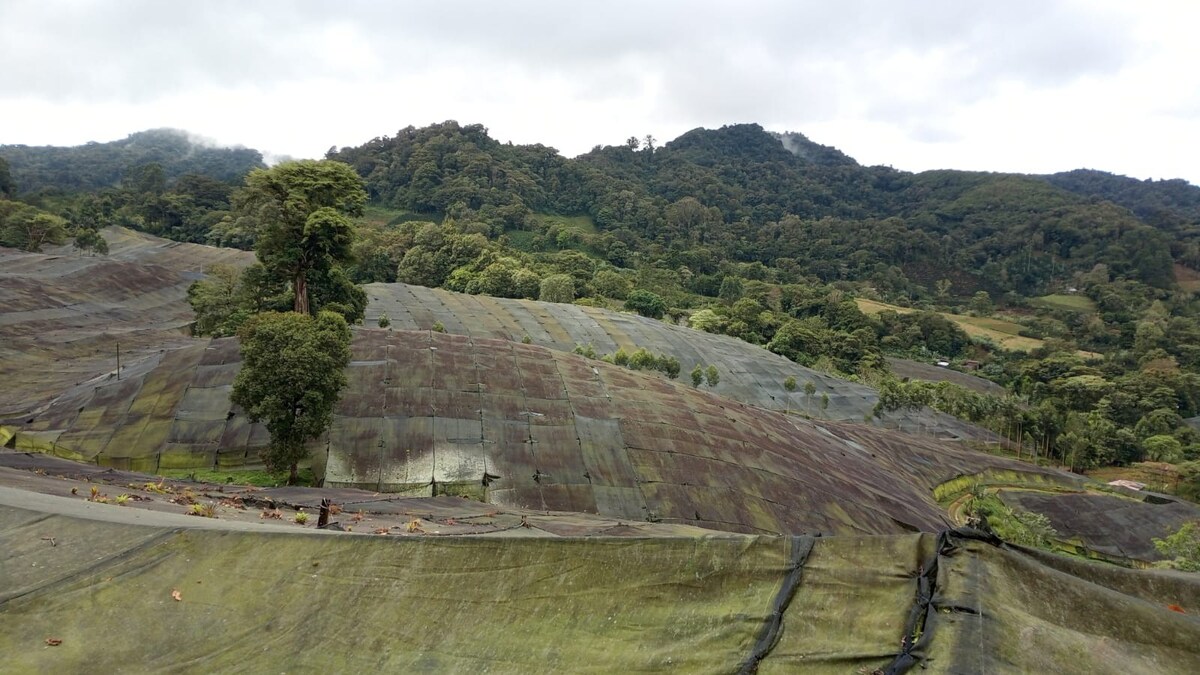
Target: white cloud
x,y
1024,85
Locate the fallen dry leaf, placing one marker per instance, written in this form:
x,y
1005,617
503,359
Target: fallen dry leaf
x,y
176,595
54,642
415,526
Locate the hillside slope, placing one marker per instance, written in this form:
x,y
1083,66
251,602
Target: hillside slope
x,y
748,373
63,316
281,601
429,413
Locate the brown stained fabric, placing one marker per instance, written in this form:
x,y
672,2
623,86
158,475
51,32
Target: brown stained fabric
x,y
1122,527
521,425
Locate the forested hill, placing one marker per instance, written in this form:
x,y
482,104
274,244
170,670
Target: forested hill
x,y
95,166
1075,292
742,194
738,194
1171,205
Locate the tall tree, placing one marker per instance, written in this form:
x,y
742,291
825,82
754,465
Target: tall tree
x,y
291,377
302,210
7,187
29,228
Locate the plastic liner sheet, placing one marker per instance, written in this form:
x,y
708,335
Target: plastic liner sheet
x,y
748,373
1121,527
341,603
429,413
1005,609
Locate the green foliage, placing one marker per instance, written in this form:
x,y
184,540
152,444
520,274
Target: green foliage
x,y
8,187
711,376
1070,303
748,238
981,303
697,375
1189,480
291,377
557,288
1163,448
29,228
384,320
438,327
302,211
641,360
611,284
708,321
731,289
668,365
96,166
1183,547
219,302
1024,528
646,303
790,383
89,240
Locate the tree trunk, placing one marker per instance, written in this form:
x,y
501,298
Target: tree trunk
x,y
293,474
300,288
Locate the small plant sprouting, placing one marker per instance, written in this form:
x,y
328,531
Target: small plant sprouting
x,y
205,510
526,340
712,376
384,320
122,500
300,518
158,488
438,327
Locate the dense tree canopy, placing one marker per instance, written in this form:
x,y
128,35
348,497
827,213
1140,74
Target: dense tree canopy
x,y
291,377
769,238
302,211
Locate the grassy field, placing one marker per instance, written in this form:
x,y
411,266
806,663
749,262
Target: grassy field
x,y
1069,303
1188,278
1003,333
581,224
257,477
1157,476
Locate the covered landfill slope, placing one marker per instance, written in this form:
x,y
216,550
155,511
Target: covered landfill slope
x,y
514,424
87,590
748,373
64,315
429,413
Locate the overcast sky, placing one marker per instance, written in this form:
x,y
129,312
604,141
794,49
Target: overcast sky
x,y
1020,85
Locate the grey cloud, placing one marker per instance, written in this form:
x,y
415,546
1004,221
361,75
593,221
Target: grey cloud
x,y
140,49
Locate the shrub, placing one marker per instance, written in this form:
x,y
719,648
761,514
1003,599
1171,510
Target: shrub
x,y
712,376
646,303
